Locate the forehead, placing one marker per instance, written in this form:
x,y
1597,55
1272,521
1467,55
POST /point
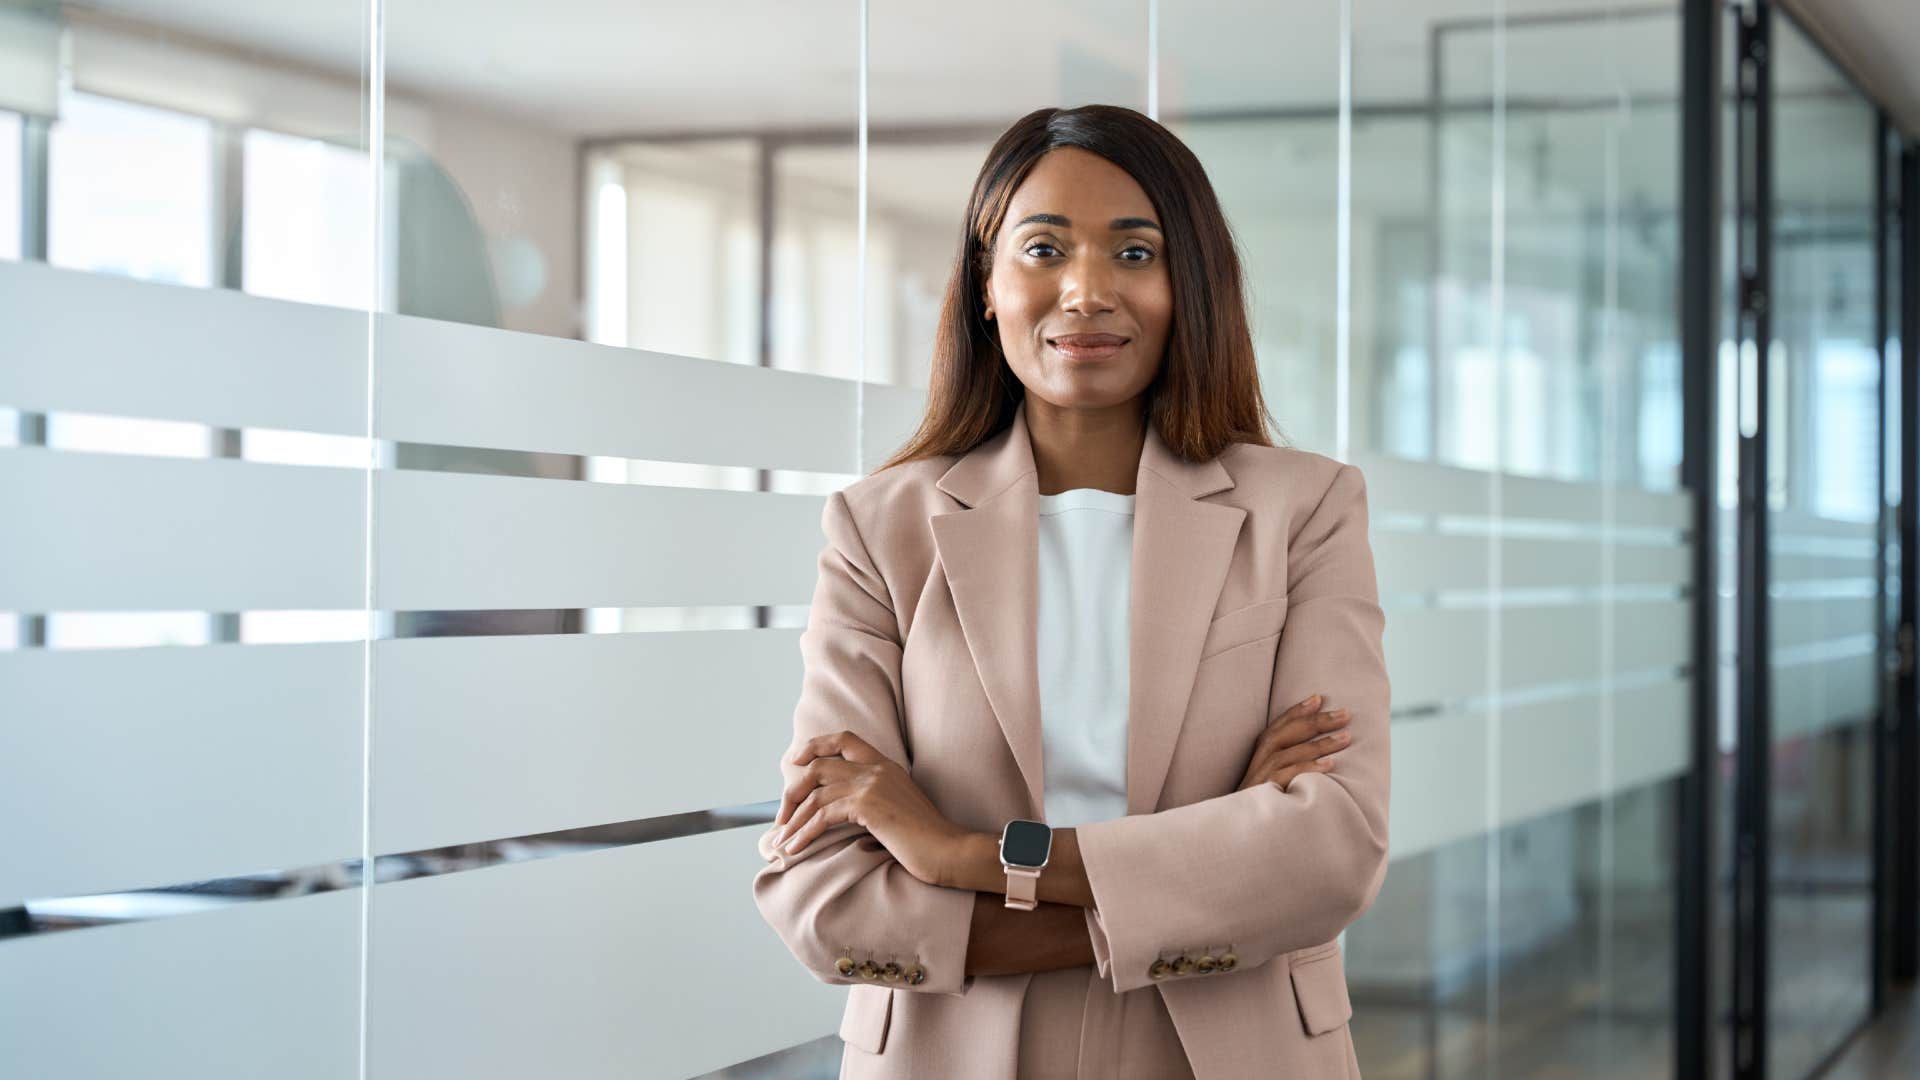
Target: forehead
x,y
1082,186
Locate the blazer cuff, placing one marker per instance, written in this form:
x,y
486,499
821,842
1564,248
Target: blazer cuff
x,y
1102,951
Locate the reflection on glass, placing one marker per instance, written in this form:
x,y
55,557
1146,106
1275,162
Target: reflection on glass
x,y
1514,250
306,208
130,190
10,165
1824,517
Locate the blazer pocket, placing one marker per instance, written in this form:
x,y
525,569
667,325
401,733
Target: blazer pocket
x,y
864,1024
1320,986
1260,619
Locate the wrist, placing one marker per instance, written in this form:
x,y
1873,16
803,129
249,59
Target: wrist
x,y
974,863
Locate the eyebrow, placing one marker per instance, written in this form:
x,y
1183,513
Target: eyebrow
x,y
1117,224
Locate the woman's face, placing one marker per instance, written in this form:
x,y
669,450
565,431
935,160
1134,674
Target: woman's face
x,y
1080,293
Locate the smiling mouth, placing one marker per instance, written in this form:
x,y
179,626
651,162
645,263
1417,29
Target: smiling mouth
x,y
1087,346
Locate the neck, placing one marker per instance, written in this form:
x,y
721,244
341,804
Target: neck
x,y
1086,448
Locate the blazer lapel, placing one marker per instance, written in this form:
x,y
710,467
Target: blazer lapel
x,y
1181,552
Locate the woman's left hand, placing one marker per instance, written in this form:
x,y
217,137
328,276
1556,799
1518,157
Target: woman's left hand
x,y
847,780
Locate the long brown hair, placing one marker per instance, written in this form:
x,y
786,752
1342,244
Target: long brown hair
x,y
1206,395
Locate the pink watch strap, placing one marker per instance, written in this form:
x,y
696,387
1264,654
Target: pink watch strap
x,y
1023,887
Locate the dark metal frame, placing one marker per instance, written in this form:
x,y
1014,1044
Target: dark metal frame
x,y
1753,142
1894,947
1699,301
1902,801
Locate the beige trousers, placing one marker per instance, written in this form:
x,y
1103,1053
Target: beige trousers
x,y
1074,1027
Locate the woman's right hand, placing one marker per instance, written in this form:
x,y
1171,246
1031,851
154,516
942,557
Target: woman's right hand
x,y
1295,742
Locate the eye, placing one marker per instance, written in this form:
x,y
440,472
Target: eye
x,y
1041,244
1142,249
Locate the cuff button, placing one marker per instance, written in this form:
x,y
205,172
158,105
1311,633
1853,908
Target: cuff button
x,y
1158,969
1182,965
914,974
868,970
844,965
1227,961
1206,965
891,972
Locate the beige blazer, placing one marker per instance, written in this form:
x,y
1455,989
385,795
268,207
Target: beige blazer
x,y
1252,588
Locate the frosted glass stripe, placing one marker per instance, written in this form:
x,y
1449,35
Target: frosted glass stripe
x,y
1805,620
483,738
1550,760
258,989
133,768
1787,524
1400,485
1416,562
446,541
100,343
1439,655
1787,567
115,532
643,961
1819,696
461,385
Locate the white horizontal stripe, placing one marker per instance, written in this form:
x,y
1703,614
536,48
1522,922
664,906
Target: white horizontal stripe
x,y
125,769
110,532
1812,698
1427,562
1550,759
1789,568
485,738
268,989
448,540
100,343
1436,656
453,384
665,967
1805,620
1403,486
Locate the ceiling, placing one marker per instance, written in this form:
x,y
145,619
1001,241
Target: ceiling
x,y
611,67
1879,40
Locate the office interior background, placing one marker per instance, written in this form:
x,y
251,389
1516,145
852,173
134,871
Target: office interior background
x,y
452,509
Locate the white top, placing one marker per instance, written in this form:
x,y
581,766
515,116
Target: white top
x,y
1086,564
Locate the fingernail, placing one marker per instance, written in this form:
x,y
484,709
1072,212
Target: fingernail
x,y
1314,700
791,846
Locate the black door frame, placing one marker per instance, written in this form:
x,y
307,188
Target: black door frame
x,y
1895,940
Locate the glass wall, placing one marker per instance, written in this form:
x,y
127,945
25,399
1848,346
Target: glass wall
x,y
442,519
1824,503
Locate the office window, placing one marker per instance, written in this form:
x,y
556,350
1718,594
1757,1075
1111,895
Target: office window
x,y
308,221
10,126
130,191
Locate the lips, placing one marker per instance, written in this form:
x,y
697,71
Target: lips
x,y
1087,341
1087,346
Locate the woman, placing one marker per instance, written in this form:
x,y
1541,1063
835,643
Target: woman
x,y
1040,813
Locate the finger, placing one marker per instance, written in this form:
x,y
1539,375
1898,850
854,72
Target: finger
x,y
801,812
1287,775
817,747
829,811
1295,732
1304,753
818,772
843,743
1298,709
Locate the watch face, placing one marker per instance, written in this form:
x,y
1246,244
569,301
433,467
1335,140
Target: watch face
x,y
1025,843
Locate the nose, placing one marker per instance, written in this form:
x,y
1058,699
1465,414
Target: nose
x,y
1087,286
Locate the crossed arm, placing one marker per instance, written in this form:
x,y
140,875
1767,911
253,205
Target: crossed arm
x,y
1300,861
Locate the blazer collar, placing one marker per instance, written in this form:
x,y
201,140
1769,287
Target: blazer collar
x,y
1182,548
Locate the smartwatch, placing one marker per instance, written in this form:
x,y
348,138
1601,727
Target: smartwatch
x,y
1024,848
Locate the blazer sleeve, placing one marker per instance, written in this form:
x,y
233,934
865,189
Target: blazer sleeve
x,y
1261,871
844,894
